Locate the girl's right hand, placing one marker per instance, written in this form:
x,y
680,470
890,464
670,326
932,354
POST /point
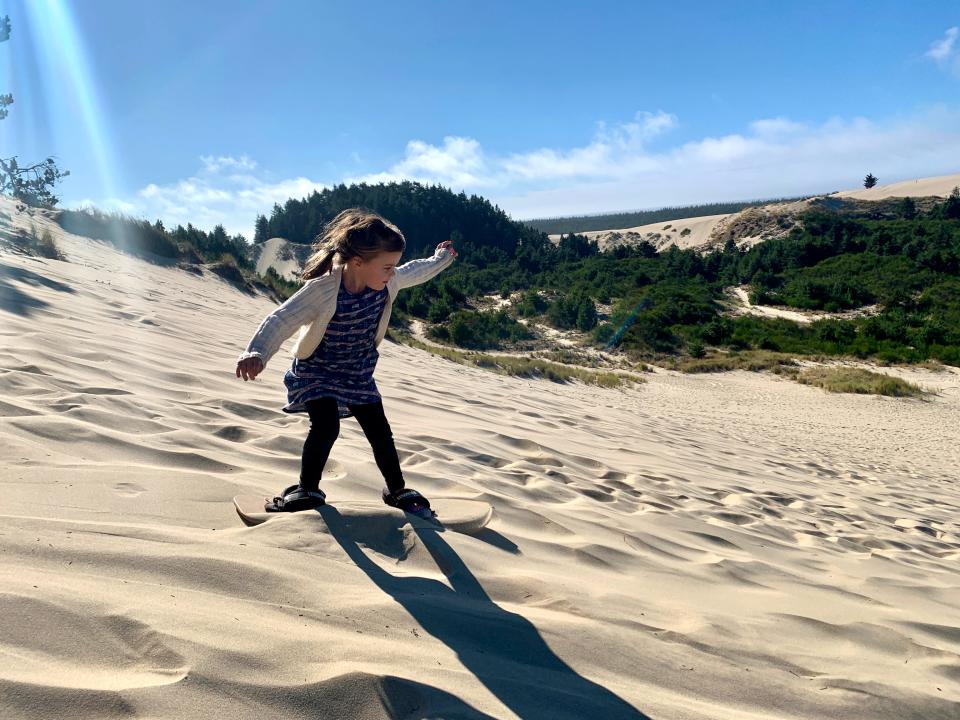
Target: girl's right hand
x,y
249,368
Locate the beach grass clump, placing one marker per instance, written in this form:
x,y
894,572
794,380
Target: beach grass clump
x,y
31,242
42,244
137,237
522,366
860,381
753,360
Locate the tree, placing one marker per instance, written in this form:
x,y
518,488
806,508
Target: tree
x,y
262,231
908,208
951,208
32,184
869,181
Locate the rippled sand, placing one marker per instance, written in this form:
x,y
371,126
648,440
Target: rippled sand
x,y
711,546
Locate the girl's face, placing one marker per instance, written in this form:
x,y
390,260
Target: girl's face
x,y
378,270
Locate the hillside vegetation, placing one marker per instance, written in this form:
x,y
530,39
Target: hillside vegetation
x,y
903,257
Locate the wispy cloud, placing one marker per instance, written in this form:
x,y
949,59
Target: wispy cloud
x,y
944,52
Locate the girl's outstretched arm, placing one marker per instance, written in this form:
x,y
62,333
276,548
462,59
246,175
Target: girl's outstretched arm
x,y
419,271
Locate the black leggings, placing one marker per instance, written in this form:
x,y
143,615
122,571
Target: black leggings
x,y
325,428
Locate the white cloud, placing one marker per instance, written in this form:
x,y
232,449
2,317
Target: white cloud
x,y
224,191
215,164
942,51
459,162
619,168
945,53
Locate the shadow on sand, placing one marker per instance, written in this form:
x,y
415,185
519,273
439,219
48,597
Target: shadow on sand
x,y
502,649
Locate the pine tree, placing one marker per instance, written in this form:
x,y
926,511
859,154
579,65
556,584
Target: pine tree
x,y
262,230
908,208
951,208
869,181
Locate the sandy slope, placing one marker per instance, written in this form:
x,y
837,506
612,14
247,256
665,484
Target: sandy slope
x,y
685,233
918,187
702,232
724,546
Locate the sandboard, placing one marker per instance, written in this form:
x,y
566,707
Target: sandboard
x,y
457,514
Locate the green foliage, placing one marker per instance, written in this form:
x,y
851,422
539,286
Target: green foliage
x,y
481,331
530,304
951,208
907,262
281,287
32,184
568,312
869,181
907,208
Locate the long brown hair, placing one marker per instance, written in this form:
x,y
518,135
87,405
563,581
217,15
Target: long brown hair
x,y
354,232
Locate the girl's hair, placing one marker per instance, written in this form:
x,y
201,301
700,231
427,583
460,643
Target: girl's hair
x,y
355,232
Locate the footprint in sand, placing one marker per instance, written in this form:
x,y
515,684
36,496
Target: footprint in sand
x,y
128,489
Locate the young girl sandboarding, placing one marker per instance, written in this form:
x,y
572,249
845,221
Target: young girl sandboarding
x,y
342,311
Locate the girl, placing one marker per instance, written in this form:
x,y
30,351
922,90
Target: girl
x,y
342,311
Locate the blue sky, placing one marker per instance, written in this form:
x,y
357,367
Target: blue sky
x,y
209,111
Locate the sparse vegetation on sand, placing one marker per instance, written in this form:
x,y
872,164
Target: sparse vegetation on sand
x,y
858,380
32,242
752,360
522,366
833,379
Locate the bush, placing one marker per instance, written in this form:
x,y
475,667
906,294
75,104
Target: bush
x,y
482,331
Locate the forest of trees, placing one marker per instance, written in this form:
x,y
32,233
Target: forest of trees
x,y
671,302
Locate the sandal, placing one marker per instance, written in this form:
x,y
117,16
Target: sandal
x,y
295,498
409,500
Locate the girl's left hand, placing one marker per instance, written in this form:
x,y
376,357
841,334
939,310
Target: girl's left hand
x,y
447,244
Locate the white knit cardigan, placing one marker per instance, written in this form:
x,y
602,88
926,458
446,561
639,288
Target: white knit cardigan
x,y
314,304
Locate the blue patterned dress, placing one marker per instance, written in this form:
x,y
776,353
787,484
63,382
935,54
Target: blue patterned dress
x,y
342,365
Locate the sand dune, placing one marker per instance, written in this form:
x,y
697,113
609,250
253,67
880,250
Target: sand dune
x,y
706,232
696,547
917,187
282,256
684,233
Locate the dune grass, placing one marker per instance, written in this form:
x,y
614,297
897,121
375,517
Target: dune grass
x,y
832,379
753,360
522,366
857,380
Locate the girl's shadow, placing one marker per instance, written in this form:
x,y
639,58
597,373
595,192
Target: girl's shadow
x,y
502,649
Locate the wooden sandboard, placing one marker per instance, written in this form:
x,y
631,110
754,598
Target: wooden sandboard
x,y
457,514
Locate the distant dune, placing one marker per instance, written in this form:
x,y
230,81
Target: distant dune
x,y
283,256
921,187
754,224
